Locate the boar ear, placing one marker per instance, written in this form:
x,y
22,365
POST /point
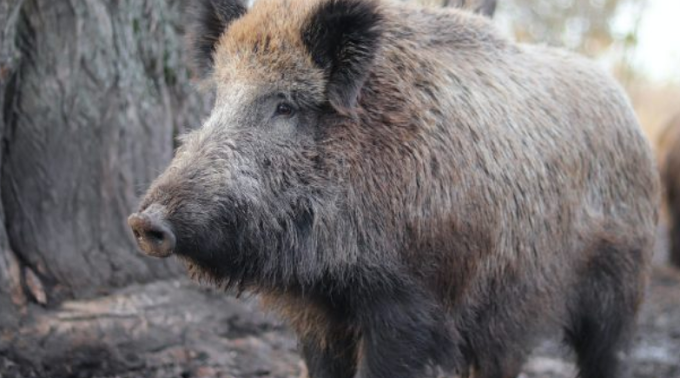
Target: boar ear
x,y
342,37
207,21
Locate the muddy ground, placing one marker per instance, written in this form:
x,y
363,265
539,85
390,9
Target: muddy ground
x,y
179,329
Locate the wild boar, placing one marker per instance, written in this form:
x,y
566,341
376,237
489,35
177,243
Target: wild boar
x,y
410,189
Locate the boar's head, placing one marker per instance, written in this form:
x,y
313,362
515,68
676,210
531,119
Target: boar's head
x,y
258,194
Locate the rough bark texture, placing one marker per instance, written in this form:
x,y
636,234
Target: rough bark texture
x,y
92,92
11,294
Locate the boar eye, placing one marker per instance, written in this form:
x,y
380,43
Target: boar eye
x,y
284,109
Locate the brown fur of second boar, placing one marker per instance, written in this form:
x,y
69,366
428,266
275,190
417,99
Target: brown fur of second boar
x,y
671,181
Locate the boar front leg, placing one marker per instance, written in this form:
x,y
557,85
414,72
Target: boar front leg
x,y
403,332
333,357
327,339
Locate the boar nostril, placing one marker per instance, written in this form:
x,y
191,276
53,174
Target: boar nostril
x,y
152,232
156,235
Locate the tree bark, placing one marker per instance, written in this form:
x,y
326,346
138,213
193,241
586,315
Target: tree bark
x,y
11,293
93,93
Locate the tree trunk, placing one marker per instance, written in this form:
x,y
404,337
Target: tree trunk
x,y
11,293
93,93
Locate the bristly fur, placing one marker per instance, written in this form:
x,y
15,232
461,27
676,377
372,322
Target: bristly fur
x,y
343,36
207,21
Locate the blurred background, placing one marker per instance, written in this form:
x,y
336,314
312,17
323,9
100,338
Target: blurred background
x,y
637,40
92,96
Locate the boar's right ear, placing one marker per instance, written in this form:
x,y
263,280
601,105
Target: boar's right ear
x,y
207,21
342,37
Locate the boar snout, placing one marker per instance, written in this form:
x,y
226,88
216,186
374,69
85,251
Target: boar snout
x,y
152,231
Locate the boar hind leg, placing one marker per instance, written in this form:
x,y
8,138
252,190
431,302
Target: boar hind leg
x,y
603,319
600,345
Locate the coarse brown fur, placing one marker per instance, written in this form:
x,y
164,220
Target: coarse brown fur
x,y
671,181
438,196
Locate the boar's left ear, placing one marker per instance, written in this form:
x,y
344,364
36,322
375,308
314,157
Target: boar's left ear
x,y
342,37
208,20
